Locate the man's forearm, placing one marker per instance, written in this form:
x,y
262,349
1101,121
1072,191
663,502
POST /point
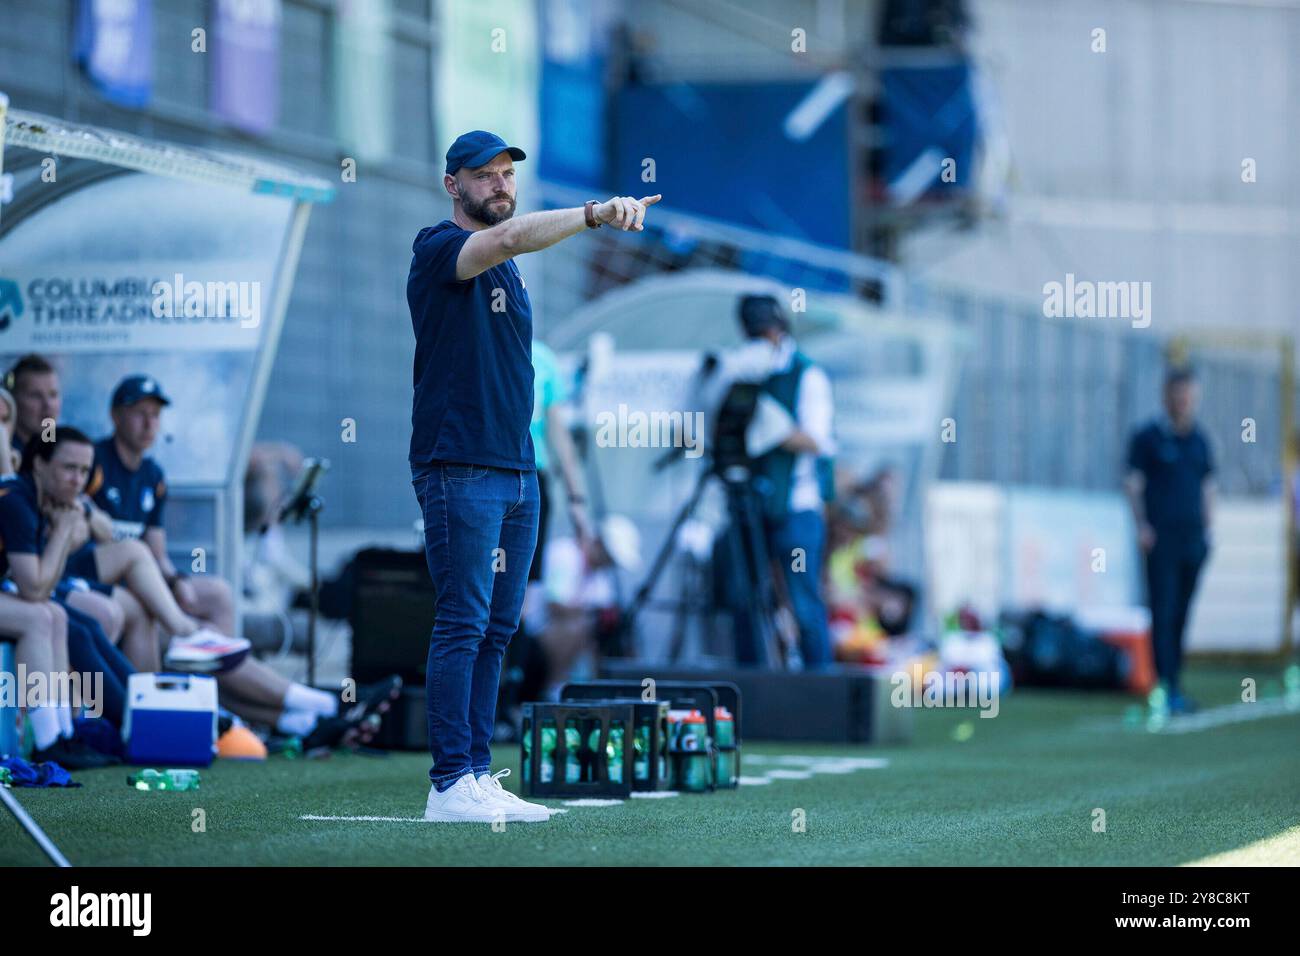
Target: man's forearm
x,y
537,230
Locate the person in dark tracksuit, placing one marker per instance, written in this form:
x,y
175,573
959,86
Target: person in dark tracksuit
x,y
1171,489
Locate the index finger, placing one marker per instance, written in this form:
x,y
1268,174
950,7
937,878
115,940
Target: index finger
x,y
651,200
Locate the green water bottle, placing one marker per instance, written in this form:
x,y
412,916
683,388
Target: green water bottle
x,y
725,724
527,740
696,772
614,754
641,752
6,778
150,779
547,771
572,743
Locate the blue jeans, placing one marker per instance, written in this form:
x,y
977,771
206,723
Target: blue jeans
x,y
798,529
480,529
806,530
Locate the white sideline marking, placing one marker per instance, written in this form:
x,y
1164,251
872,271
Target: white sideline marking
x,y
1228,714
592,802
653,794
753,781
790,774
312,816
858,763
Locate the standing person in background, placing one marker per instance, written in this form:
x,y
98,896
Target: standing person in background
x,y
795,479
526,661
1170,488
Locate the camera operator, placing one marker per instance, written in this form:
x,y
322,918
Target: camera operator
x,y
795,479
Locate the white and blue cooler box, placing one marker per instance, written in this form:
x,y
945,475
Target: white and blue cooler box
x,y
10,737
171,719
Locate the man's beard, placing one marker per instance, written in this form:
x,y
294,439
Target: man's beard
x,y
490,211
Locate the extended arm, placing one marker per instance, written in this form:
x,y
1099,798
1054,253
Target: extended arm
x,y
538,230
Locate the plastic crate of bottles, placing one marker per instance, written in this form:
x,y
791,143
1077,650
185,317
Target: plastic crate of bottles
x,y
578,749
650,758
717,702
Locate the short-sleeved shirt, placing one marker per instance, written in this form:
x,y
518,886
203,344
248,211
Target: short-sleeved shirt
x,y
473,372
1175,467
23,528
549,388
133,499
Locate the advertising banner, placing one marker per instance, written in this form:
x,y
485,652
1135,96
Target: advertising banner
x,y
246,63
114,46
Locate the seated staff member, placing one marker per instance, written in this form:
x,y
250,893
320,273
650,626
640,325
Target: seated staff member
x,y
51,639
55,472
9,458
131,488
34,384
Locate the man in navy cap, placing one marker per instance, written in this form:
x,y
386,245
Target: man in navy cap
x,y
130,486
471,457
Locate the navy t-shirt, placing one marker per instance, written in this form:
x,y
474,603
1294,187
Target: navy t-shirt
x,y
22,526
1175,467
473,364
133,499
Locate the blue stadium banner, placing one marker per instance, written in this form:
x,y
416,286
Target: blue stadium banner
x,y
722,150
576,52
246,63
113,44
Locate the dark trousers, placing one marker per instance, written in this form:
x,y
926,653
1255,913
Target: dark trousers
x,y
1173,567
91,652
805,530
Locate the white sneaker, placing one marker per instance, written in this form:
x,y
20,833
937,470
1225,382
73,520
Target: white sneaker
x,y
463,802
516,808
205,652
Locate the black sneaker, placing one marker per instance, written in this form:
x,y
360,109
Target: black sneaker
x,y
74,754
354,720
373,696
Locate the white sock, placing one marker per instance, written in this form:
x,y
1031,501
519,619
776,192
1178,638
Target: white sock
x,y
45,725
296,722
302,697
65,720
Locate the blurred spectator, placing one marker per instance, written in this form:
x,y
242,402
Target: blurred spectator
x,y
526,668
272,576
867,602
794,479
582,594
1170,488
34,384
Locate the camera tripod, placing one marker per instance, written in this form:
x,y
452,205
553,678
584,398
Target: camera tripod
x,y
745,551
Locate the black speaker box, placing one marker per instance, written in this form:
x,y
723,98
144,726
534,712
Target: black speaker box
x,y
845,705
392,615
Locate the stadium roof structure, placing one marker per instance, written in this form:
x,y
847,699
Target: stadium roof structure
x,y
210,167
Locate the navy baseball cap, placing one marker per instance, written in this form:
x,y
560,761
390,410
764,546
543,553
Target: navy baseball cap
x,y
135,387
758,313
477,147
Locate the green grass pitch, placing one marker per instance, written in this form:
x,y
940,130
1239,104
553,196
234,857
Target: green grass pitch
x,y
1017,789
